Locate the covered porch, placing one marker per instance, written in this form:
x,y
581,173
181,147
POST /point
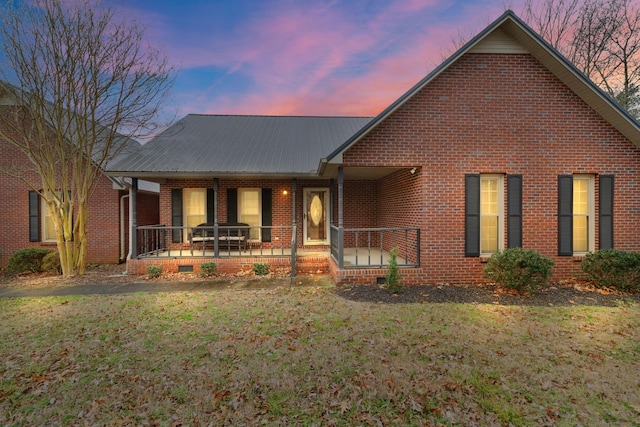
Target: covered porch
x,y
315,230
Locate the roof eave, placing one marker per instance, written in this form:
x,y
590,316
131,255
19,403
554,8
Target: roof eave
x,y
155,175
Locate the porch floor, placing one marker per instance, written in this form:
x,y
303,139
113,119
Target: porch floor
x,y
352,256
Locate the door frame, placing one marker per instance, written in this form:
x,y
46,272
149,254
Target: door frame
x,y
326,215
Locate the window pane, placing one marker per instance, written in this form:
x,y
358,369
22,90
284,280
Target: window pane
x,y
195,206
488,234
249,210
49,228
580,192
489,196
580,234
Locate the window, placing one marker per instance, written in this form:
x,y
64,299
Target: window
x,y
583,214
484,226
249,209
491,213
194,207
48,228
577,215
41,226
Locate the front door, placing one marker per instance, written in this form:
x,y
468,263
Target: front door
x,y
316,216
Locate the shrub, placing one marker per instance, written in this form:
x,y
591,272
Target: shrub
x,y
613,268
154,271
27,260
394,283
208,269
51,262
261,268
524,270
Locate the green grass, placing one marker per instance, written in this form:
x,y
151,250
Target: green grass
x,y
308,357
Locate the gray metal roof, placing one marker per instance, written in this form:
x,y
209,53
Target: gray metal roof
x,y
221,144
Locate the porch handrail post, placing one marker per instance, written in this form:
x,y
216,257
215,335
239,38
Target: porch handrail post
x,y
294,242
340,217
133,212
216,232
332,195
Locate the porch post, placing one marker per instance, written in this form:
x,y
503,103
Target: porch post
x,y
332,194
294,228
216,243
133,215
340,217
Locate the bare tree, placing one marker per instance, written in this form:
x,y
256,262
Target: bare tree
x,y
82,84
601,37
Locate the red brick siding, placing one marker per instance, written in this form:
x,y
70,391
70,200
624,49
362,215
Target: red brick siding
x,y
103,216
491,113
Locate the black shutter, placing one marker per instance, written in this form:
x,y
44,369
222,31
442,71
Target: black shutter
x,y
267,214
472,215
605,214
565,215
232,205
176,214
210,206
514,211
34,216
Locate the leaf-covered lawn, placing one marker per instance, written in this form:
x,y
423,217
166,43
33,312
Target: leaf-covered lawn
x,y
309,357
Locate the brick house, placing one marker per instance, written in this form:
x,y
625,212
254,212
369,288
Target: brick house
x,y
505,144
24,219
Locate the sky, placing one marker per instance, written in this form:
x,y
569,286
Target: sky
x,y
304,58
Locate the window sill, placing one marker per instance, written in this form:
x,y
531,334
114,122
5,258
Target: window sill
x,y
579,258
484,259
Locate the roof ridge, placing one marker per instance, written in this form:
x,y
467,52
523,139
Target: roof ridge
x,y
280,117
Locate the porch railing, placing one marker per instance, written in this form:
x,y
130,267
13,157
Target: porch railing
x,y
369,247
170,241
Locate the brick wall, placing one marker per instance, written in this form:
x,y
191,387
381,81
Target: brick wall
x,y
103,216
103,230
504,114
360,202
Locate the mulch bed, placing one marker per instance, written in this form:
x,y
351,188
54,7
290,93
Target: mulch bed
x,y
570,293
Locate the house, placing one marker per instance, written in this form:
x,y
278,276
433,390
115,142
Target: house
x,y
505,144
24,219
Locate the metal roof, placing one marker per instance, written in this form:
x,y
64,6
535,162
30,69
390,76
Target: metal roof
x,y
224,144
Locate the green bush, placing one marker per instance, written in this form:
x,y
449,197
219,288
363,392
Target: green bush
x,y
27,260
208,269
261,268
51,262
154,271
613,268
394,283
524,270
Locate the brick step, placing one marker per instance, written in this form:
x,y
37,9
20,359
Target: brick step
x,y
315,265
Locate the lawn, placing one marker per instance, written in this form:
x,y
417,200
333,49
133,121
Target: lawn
x,y
309,357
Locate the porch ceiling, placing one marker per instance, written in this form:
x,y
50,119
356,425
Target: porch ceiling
x,y
360,173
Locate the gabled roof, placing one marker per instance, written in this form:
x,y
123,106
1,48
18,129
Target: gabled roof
x,y
199,145
523,40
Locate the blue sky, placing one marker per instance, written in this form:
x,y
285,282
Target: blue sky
x,y
303,57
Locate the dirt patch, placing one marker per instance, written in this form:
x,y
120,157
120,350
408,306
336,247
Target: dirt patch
x,y
110,274
568,293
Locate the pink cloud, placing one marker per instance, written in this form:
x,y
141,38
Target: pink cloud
x,y
320,60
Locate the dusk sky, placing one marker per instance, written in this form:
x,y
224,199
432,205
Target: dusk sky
x,y
304,57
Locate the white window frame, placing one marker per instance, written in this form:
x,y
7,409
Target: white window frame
x,y
500,214
256,233
591,201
